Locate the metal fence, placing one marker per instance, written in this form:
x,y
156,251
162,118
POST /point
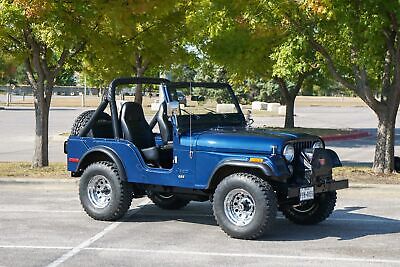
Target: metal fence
x,y
58,90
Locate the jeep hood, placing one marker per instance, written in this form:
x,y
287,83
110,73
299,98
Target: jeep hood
x,y
242,140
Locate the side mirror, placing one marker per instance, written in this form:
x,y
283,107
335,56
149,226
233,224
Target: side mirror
x,y
172,108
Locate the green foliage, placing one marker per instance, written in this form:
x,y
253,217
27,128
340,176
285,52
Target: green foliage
x,y
66,77
353,32
269,92
135,37
11,72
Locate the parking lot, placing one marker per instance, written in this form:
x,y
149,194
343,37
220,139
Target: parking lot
x,y
43,225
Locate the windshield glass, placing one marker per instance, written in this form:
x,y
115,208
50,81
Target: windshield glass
x,y
205,105
196,99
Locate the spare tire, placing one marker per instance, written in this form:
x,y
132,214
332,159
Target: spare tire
x,y
101,128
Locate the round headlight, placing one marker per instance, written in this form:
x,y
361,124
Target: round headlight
x,y
318,144
288,153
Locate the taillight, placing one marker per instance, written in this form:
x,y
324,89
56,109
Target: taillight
x,y
73,160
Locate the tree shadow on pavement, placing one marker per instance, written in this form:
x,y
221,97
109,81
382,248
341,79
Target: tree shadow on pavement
x,y
343,224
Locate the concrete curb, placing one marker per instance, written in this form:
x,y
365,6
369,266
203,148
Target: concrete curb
x,y
350,136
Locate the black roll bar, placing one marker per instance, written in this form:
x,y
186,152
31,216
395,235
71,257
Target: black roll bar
x,y
109,97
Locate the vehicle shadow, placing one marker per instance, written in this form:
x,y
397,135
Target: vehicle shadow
x,y
343,224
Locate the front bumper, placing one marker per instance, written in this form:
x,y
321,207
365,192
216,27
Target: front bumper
x,y
294,192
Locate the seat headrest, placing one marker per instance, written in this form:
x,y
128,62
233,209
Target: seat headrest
x,y
132,111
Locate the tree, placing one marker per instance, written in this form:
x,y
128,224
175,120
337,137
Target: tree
x,y
251,45
44,35
138,36
360,44
294,62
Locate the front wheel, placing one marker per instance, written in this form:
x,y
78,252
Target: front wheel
x,y
312,211
104,196
244,206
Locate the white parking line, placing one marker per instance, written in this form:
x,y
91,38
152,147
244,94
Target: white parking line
x,y
247,255
205,253
94,238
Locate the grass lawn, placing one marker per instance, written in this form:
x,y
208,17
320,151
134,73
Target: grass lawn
x,y
24,169
364,175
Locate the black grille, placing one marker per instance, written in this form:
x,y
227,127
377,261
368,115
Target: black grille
x,y
299,146
301,173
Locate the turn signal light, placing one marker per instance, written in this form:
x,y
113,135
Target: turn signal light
x,y
256,160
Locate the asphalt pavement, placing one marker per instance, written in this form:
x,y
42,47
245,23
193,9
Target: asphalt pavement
x,y
42,224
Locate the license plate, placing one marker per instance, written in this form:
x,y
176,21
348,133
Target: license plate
x,y
306,193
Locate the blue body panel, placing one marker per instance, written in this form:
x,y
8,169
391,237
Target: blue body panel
x,y
210,148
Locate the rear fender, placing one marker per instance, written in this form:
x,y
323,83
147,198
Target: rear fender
x,y
97,154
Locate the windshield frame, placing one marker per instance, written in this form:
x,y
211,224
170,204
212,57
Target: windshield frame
x,y
237,117
212,85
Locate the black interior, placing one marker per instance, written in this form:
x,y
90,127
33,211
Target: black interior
x,y
161,118
102,129
136,130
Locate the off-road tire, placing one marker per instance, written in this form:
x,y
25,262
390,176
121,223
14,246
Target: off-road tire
x,y
83,119
121,192
318,210
265,205
168,202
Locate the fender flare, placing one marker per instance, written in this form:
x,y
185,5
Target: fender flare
x,y
264,168
110,154
335,158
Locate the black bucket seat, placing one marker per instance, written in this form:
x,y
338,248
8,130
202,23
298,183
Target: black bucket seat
x,y
165,126
136,130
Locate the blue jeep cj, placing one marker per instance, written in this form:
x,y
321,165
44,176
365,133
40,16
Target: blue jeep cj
x,y
203,150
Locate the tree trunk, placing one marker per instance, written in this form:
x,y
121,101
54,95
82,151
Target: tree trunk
x,y
41,153
140,68
384,149
289,95
289,117
139,89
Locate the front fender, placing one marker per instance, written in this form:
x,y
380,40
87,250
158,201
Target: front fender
x,y
335,158
274,168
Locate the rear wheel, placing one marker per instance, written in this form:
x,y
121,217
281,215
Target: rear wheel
x,y
103,195
312,211
167,201
244,206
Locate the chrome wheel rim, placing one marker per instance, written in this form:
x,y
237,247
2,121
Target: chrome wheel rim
x,y
239,207
99,191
